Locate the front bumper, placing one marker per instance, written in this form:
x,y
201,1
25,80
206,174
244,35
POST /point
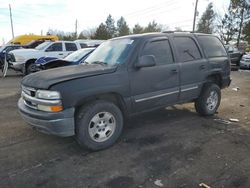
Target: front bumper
x,y
60,123
17,65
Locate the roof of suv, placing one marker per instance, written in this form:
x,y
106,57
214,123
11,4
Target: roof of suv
x,y
161,34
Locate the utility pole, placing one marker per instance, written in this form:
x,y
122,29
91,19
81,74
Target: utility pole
x,y
11,22
195,13
76,29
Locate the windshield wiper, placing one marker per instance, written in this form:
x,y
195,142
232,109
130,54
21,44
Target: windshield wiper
x,y
99,63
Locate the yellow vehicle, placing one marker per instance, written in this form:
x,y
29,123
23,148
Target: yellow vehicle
x,y
24,39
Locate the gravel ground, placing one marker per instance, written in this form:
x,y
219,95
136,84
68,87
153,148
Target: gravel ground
x,y
173,148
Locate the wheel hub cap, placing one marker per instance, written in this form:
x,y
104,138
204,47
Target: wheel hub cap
x,y
102,126
212,100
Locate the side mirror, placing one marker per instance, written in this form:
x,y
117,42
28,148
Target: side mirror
x,y
146,61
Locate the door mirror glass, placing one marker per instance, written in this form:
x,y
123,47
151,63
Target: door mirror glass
x,y
146,61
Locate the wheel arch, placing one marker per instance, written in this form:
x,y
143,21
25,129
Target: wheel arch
x,y
113,97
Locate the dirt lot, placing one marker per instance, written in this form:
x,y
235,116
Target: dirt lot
x,y
174,145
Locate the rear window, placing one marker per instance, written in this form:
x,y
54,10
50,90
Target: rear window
x,y
212,46
187,49
70,46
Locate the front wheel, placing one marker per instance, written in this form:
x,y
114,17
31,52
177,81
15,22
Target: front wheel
x,y
209,100
98,125
31,68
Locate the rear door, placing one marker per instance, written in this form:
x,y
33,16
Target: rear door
x,y
193,66
156,86
70,47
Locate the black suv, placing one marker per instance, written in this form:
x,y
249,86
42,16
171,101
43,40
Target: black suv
x,y
123,77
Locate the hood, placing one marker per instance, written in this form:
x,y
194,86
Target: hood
x,y
47,78
19,51
26,52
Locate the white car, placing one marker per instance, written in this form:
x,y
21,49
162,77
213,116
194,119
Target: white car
x,y
245,61
23,59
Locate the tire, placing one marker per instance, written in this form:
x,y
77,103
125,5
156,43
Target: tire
x,y
98,125
209,100
31,68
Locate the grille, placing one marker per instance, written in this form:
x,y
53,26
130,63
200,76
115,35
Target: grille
x,y
31,92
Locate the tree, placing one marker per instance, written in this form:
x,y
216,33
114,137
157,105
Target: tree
x,y
242,11
88,33
138,29
110,25
246,32
152,27
227,26
205,24
102,32
122,27
82,36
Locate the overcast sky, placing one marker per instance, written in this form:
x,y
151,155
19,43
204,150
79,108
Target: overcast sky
x,y
34,16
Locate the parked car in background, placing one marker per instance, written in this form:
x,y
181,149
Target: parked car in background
x,y
89,43
25,39
4,50
245,61
235,54
34,43
123,77
74,58
23,59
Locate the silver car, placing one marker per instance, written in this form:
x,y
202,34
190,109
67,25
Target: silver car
x,y
245,61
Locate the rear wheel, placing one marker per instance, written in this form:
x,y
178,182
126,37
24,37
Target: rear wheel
x,y
98,125
209,100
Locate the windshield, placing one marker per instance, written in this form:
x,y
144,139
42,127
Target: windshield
x,y
42,46
111,52
76,56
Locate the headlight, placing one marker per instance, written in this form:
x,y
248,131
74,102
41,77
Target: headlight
x,y
19,58
44,94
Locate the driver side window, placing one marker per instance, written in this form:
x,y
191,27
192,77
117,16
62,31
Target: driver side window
x,y
56,47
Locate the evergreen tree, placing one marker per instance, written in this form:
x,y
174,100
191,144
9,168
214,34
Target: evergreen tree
x,y
242,12
205,24
227,26
246,32
102,32
110,25
122,27
138,29
152,27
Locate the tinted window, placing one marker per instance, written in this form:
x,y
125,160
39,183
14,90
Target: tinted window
x,y
161,50
212,46
55,47
70,47
187,49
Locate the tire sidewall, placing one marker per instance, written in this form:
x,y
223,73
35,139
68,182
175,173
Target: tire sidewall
x,y
83,120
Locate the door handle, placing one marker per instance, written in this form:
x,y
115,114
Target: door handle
x,y
174,71
202,67
60,54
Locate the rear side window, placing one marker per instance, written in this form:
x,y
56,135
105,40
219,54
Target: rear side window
x,y
161,50
187,49
212,46
70,46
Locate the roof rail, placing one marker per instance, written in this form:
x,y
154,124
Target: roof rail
x,y
177,32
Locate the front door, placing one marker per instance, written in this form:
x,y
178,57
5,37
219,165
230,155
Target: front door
x,y
156,86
